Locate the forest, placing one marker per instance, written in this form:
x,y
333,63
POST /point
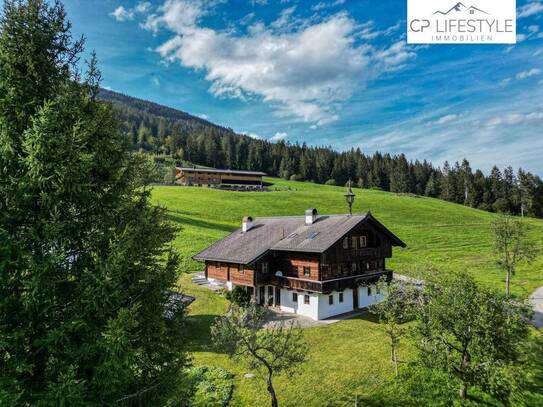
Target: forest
x,y
173,136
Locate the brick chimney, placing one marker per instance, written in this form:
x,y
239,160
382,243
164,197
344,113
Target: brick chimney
x,y
310,216
246,224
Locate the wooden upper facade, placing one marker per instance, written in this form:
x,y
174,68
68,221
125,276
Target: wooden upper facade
x,y
354,257
211,177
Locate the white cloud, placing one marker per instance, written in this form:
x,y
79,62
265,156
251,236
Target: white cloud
x,y
122,14
323,5
515,119
252,135
530,9
143,7
203,116
303,70
445,119
532,32
529,73
279,136
369,32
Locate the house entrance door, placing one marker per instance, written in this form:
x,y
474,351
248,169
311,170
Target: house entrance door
x,y
277,297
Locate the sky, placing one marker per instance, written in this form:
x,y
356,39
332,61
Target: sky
x,y
327,72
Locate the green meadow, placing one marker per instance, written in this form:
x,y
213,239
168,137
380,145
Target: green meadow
x,y
351,357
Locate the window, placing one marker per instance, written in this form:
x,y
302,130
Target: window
x,y
313,235
369,291
270,291
264,267
354,266
306,299
354,242
330,300
340,297
307,271
346,243
363,241
294,297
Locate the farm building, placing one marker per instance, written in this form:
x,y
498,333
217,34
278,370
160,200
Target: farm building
x,y
315,265
212,177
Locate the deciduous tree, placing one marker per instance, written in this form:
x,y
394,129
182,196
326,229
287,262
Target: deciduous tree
x,y
275,349
512,246
397,307
473,334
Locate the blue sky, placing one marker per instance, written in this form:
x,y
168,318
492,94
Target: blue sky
x,y
327,72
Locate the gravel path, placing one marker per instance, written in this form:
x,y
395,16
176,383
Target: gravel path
x,y
537,299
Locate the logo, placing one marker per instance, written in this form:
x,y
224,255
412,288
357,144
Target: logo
x,y
450,22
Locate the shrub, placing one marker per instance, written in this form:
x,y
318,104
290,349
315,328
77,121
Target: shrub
x,y
330,182
207,386
239,296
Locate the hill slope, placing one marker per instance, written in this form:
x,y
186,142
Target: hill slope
x,y
155,109
350,357
450,236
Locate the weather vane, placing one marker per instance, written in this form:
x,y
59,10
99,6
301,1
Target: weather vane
x,y
349,196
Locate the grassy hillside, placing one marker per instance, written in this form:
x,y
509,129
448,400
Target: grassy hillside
x,y
350,357
449,236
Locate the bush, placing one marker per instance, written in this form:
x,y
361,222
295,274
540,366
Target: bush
x,y
330,182
416,386
296,177
239,296
207,386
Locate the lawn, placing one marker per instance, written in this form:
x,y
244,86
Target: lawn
x,y
351,357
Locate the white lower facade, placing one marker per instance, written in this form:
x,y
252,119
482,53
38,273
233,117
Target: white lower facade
x,y
315,305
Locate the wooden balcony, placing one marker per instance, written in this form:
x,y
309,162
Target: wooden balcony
x,y
364,253
337,284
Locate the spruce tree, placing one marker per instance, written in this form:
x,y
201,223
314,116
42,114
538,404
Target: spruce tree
x,y
85,263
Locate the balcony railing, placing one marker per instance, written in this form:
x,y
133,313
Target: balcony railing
x,y
337,284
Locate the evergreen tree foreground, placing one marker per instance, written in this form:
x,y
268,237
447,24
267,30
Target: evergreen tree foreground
x,y
85,263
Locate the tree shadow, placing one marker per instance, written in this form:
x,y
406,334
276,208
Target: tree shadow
x,y
198,333
187,221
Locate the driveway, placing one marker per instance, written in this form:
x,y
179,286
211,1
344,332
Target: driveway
x,y
537,300
276,317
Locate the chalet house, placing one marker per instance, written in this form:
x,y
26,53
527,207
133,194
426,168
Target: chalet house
x,y
217,178
314,265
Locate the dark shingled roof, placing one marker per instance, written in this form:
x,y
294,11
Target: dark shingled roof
x,y
287,234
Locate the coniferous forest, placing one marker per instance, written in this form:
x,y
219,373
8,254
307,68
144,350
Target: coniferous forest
x,y
166,132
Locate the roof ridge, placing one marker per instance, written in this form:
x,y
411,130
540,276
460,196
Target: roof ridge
x,y
320,215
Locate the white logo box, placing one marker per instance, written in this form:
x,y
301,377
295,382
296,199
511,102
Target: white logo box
x,y
461,22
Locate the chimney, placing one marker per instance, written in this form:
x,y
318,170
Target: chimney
x,y
310,216
246,224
